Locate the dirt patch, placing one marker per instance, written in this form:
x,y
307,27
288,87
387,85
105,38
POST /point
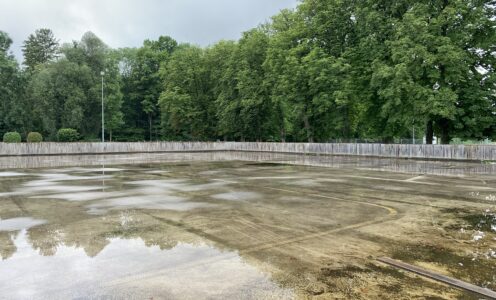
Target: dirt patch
x,y
476,270
374,280
485,221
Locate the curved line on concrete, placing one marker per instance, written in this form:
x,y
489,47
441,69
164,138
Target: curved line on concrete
x,y
391,213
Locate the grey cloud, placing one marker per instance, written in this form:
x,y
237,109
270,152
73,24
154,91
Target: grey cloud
x,y
126,23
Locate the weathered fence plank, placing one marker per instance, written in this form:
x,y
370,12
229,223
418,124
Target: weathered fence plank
x,y
441,152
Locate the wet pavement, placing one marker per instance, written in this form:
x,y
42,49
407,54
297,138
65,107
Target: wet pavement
x,y
243,226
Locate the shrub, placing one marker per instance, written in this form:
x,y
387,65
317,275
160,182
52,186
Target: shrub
x,y
67,135
34,137
12,137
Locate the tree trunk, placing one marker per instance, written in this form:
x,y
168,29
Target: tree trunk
x,y
445,132
388,140
150,125
429,132
110,135
346,128
283,135
308,129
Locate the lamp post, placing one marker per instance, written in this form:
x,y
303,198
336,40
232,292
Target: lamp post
x,y
103,115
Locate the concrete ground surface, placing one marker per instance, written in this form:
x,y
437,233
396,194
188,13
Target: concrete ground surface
x,y
244,228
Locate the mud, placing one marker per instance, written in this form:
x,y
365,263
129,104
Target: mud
x,y
250,229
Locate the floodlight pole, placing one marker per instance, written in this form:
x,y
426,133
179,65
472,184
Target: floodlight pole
x,y
103,115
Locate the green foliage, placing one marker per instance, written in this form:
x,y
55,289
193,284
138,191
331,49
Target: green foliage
x,y
327,70
5,42
34,137
67,135
40,48
186,104
14,107
67,93
145,82
12,137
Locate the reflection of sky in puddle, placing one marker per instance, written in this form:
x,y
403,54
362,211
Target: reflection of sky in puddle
x,y
11,174
115,192
166,202
81,196
306,182
181,185
130,269
237,196
19,223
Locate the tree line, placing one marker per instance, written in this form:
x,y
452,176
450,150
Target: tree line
x,y
329,69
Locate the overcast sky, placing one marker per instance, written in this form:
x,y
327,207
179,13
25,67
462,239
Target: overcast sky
x,y
126,23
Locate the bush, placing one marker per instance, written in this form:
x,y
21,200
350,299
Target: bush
x,y
12,137
67,135
34,137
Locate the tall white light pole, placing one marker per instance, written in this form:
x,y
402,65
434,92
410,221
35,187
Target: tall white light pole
x,y
103,115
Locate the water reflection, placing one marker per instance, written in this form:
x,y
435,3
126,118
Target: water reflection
x,y
19,223
131,269
365,163
107,192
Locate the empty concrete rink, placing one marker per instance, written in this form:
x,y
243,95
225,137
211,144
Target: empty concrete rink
x,y
243,227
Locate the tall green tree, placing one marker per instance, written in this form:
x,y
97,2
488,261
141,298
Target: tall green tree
x,y
187,100
113,97
40,48
308,82
221,61
14,109
146,82
329,69
67,93
243,101
433,72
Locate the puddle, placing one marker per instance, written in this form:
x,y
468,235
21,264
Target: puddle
x,y
12,174
185,271
178,185
238,196
306,182
81,196
158,172
99,170
58,189
164,202
16,224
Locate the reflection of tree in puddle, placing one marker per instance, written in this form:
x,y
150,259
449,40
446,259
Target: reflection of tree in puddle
x,y
93,234
131,268
110,253
7,248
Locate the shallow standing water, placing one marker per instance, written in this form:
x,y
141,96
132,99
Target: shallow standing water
x,y
246,226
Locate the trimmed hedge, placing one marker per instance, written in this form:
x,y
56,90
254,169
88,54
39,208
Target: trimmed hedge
x,y
67,135
34,137
12,137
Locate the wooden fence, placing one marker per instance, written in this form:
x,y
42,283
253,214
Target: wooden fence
x,y
449,152
437,152
449,168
